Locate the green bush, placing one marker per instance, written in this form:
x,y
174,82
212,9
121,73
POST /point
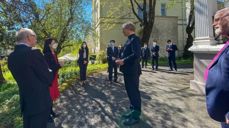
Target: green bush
x,y
101,57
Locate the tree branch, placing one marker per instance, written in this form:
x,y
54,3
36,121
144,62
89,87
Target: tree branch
x,y
133,10
139,6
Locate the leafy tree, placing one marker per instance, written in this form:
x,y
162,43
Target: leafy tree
x,y
147,9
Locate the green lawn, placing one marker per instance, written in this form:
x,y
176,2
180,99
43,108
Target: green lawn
x,y
180,62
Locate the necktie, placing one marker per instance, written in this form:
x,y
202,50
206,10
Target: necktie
x,y
214,59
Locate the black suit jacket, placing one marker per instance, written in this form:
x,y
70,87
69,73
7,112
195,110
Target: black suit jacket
x,y
155,51
171,49
53,65
145,53
111,53
31,73
131,56
81,59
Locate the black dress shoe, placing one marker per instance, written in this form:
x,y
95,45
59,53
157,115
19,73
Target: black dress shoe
x,y
131,121
127,115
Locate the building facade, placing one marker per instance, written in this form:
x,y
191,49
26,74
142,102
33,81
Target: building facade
x,y
109,15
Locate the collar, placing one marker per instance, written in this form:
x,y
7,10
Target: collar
x,y
21,43
130,36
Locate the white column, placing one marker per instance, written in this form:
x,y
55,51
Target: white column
x,y
204,12
226,3
204,46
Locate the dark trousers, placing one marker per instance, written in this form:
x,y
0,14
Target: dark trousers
x,y
224,125
172,62
36,121
112,66
144,62
83,70
132,88
154,62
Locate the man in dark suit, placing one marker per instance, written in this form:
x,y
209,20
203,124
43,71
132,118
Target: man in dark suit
x,y
33,77
112,55
145,54
155,55
217,74
171,48
130,66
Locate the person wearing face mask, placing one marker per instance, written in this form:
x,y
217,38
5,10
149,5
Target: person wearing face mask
x,y
171,48
217,74
145,53
155,55
83,62
112,55
50,46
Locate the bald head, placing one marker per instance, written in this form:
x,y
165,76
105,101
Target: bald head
x,y
26,35
221,22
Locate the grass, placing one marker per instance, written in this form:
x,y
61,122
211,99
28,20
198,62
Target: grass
x,y
180,62
9,98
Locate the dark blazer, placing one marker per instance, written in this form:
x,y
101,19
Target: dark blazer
x,y
111,53
31,73
131,55
171,49
53,65
145,53
217,87
120,51
155,50
81,59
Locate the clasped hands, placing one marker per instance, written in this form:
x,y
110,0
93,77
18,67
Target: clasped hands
x,y
119,62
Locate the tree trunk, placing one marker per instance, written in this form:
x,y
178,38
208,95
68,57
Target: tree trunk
x,y
147,29
2,79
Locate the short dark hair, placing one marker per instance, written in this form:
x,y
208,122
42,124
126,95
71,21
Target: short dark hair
x,y
169,41
48,41
112,41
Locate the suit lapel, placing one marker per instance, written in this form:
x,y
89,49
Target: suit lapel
x,y
215,62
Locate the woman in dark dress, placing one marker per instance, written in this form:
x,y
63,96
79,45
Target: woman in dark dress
x,y
83,62
50,46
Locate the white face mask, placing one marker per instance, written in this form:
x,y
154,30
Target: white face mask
x,y
112,44
154,43
54,46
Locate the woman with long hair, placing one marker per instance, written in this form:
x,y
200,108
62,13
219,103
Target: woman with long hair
x,y
83,61
50,46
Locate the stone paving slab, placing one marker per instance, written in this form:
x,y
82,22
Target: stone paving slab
x,y
167,102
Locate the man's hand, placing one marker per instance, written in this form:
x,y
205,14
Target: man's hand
x,y
61,62
119,61
85,62
227,118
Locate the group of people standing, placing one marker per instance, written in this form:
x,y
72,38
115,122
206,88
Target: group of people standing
x,y
36,74
153,53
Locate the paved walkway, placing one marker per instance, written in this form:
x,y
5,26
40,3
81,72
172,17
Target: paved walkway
x,y
166,99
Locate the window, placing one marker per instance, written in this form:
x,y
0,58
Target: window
x,y
163,9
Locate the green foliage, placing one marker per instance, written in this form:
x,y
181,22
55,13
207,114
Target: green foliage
x,y
101,57
72,47
163,61
9,108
